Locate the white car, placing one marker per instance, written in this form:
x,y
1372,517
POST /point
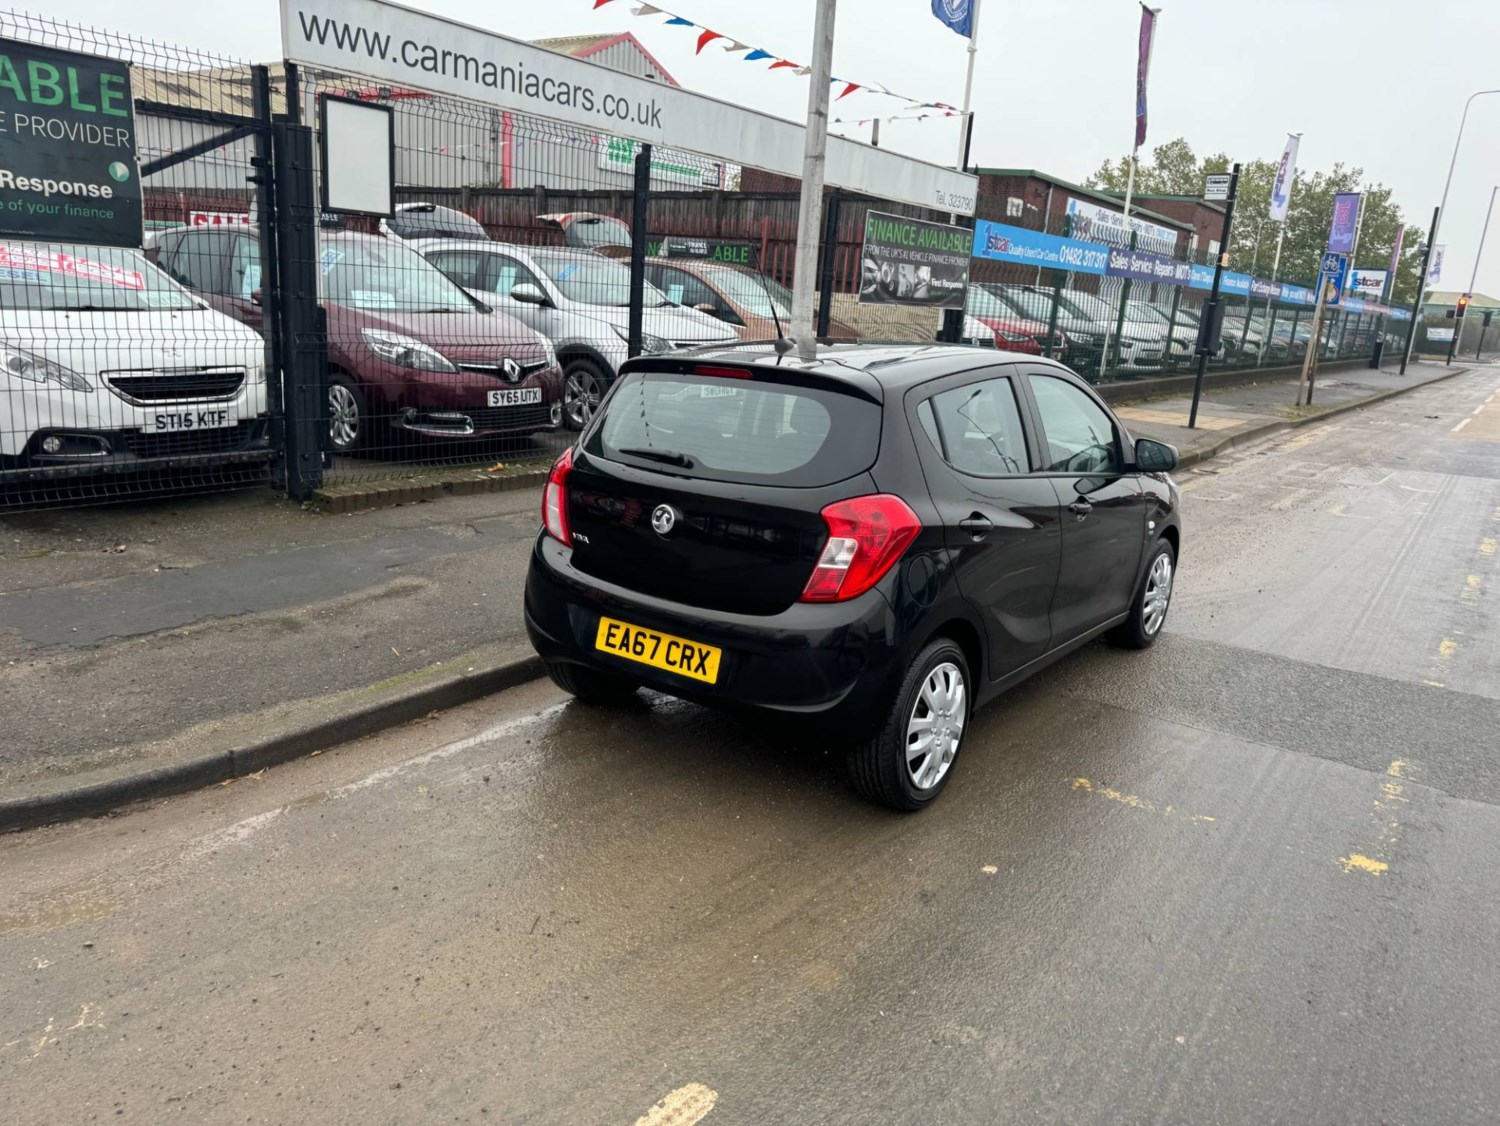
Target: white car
x,y
580,302
108,363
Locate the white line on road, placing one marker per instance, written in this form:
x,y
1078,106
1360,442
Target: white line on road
x,y
1461,425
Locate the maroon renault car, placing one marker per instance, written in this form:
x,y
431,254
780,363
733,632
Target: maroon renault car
x,y
409,352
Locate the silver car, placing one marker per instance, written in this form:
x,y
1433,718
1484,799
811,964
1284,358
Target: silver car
x,y
578,300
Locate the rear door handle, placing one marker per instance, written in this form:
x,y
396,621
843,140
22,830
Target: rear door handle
x,y
1080,508
976,525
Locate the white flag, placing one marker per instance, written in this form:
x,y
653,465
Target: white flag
x,y
1286,175
1435,267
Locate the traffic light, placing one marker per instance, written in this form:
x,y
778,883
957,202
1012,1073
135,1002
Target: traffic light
x,y
1463,303
1488,313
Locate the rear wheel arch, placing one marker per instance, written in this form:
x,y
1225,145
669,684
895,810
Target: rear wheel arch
x,y
966,635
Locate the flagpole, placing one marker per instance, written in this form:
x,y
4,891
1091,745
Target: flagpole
x,y
968,120
814,160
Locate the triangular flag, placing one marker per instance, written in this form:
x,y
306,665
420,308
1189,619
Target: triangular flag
x,y
849,89
678,21
705,39
646,10
804,71
736,45
779,63
600,3
757,54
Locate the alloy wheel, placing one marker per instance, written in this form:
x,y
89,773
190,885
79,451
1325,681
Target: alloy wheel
x,y
1158,594
581,397
936,726
343,416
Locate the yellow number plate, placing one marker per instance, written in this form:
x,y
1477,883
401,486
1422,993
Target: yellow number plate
x,y
659,650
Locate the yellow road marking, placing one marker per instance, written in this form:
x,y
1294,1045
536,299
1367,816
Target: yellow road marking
x,y
1134,801
1363,863
683,1107
1461,425
1447,648
1396,768
1487,546
1434,683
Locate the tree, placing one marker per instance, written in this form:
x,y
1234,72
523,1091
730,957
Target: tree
x,y
1174,169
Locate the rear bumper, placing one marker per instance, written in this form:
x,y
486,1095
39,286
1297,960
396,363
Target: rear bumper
x,y
834,661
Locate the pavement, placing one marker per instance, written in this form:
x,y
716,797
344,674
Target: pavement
x,y
1247,876
162,645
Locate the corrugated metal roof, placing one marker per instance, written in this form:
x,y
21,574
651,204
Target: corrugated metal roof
x,y
572,44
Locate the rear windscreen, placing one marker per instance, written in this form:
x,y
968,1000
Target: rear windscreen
x,y
722,429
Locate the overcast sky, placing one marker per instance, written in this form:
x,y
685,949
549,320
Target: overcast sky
x,y
1378,84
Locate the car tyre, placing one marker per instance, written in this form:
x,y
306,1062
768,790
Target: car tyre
x,y
590,685
894,767
349,420
584,384
1153,598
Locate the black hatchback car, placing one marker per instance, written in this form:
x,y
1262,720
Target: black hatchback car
x,y
883,539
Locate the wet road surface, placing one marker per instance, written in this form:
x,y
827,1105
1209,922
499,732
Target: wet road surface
x,y
1248,876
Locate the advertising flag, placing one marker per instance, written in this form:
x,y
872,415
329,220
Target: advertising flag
x,y
1142,70
957,14
1435,267
1345,221
1286,175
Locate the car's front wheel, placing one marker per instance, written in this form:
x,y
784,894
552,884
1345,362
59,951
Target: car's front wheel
x,y
908,760
348,416
584,384
1153,598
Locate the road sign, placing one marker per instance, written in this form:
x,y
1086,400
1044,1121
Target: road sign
x,y
1335,267
1216,187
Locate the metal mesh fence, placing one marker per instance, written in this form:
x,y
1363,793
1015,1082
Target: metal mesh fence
x,y
118,381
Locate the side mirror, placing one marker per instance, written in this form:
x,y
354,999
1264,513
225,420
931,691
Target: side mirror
x,y
255,296
528,294
1154,457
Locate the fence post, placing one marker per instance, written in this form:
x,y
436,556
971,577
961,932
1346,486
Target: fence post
x,y
1052,318
302,336
270,286
825,273
1245,332
638,246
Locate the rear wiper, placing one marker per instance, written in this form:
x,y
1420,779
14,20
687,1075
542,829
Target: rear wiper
x,y
666,457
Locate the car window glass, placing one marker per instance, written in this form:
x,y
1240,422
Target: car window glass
x,y
244,268
978,429
685,289
1080,436
463,266
198,262
506,273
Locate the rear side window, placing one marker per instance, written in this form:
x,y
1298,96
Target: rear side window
x,y
977,428
719,429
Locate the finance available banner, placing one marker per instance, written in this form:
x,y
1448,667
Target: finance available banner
x,y
912,262
67,148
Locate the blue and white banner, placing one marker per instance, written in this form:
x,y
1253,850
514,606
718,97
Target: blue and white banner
x,y
1144,266
957,14
1003,243
1203,278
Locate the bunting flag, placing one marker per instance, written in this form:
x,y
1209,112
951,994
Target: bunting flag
x,y
749,54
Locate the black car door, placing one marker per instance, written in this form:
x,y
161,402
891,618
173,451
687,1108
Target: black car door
x,y
1103,502
1002,522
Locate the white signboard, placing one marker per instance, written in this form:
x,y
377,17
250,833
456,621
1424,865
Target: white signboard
x,y
1094,223
1439,335
618,155
408,49
1216,187
1367,283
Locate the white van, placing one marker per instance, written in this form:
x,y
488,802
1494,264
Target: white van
x,y
107,362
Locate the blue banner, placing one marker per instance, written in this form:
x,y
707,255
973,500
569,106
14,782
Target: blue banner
x,y
1296,294
1203,278
1144,266
1003,243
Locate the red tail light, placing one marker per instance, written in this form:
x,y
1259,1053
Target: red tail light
x,y
866,535
555,500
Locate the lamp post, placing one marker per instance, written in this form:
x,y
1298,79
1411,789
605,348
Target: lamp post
x,y
1411,332
1458,326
